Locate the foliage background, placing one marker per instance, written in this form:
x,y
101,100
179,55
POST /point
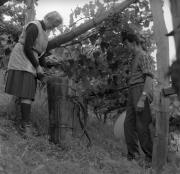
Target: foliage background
x,y
96,61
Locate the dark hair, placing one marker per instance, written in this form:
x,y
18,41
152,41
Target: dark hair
x,y
131,37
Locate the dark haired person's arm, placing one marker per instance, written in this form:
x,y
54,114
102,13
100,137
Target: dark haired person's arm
x,y
148,69
147,65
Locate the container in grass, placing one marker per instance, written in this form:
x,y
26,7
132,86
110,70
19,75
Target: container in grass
x,y
119,131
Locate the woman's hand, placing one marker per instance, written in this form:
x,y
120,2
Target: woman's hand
x,y
40,72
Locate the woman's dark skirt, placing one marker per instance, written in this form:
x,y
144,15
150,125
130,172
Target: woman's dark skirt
x,y
21,84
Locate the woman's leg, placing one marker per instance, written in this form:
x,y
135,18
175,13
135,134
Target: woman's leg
x,y
25,111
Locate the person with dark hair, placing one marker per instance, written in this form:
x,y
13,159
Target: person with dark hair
x,y
138,117
24,67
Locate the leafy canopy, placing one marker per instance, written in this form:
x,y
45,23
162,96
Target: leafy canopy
x,y
97,61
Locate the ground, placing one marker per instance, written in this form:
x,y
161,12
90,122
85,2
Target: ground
x,y
35,155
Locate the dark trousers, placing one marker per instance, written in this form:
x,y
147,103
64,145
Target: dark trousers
x,y
136,124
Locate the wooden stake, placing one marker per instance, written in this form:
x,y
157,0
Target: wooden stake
x,y
57,89
162,120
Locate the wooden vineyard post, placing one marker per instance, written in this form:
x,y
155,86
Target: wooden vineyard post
x,y
30,11
57,89
160,143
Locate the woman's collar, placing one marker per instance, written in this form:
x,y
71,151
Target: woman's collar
x,y
43,25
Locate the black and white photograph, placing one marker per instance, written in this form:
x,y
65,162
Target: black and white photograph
x,y
89,86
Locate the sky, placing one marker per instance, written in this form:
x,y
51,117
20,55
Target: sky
x,y
64,7
169,26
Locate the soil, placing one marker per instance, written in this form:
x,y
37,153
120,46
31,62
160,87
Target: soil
x,y
34,154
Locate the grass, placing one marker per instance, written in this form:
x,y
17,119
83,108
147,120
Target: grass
x,y
106,154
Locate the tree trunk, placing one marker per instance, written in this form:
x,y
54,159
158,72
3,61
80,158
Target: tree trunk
x,y
30,11
175,11
61,39
162,121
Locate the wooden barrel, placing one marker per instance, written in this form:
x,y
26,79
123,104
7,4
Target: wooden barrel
x,y
57,90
